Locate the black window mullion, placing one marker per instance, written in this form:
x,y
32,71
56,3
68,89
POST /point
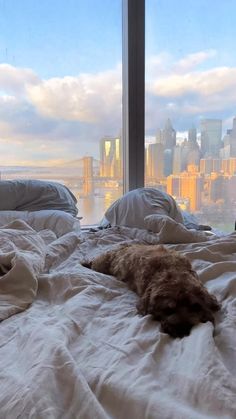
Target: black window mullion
x,y
133,92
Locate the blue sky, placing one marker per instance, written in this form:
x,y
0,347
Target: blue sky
x,y
60,72
58,38
186,26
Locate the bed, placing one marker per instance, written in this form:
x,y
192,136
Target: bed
x,y
73,346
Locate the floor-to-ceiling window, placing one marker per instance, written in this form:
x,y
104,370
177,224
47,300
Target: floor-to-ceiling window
x,y
61,97
190,118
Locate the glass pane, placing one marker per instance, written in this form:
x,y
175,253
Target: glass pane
x,y
190,106
60,96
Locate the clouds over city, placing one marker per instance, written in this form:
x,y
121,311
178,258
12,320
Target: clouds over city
x,y
69,115
190,89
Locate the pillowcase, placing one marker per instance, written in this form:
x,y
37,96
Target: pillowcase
x,y
59,222
131,209
34,195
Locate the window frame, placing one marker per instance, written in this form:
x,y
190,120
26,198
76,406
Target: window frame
x,y
133,97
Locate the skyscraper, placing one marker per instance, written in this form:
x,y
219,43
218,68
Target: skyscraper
x,y
186,185
192,135
169,135
190,150
191,187
159,136
155,161
111,157
177,159
211,133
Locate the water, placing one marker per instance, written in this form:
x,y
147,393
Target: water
x,y
93,207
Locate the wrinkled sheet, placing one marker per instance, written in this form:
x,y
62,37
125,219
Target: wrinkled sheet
x,y
22,257
81,351
60,222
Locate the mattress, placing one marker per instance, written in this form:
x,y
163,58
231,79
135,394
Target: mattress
x,y
73,345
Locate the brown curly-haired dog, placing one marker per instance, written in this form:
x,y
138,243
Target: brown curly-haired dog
x,y
168,287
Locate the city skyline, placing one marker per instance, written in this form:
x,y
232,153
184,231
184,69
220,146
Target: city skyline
x,y
60,74
180,138
202,182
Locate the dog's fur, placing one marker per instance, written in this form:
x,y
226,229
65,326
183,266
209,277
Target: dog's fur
x,y
168,287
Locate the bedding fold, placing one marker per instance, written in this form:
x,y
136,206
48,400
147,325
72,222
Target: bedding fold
x,y
22,256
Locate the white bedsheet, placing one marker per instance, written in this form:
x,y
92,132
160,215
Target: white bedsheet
x,y
60,222
81,351
22,257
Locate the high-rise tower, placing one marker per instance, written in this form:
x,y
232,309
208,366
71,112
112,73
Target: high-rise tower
x,y
169,136
155,161
211,133
192,135
111,157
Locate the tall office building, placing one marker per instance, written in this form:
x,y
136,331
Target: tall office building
x,y
155,161
225,152
184,154
168,162
177,160
192,187
190,150
111,157
211,134
186,185
173,186
169,135
194,156
159,136
192,135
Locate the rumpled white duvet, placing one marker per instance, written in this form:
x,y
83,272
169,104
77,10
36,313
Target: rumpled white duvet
x,y
72,345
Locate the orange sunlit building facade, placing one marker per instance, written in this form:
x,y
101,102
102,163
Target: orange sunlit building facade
x,y
188,185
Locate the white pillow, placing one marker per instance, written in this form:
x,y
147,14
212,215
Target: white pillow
x,y
34,195
59,222
131,209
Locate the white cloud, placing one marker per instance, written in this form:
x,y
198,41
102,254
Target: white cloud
x,y
13,79
193,60
205,83
87,98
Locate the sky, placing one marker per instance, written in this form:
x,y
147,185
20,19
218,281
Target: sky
x,y
61,73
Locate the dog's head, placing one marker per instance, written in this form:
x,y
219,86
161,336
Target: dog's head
x,y
179,301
